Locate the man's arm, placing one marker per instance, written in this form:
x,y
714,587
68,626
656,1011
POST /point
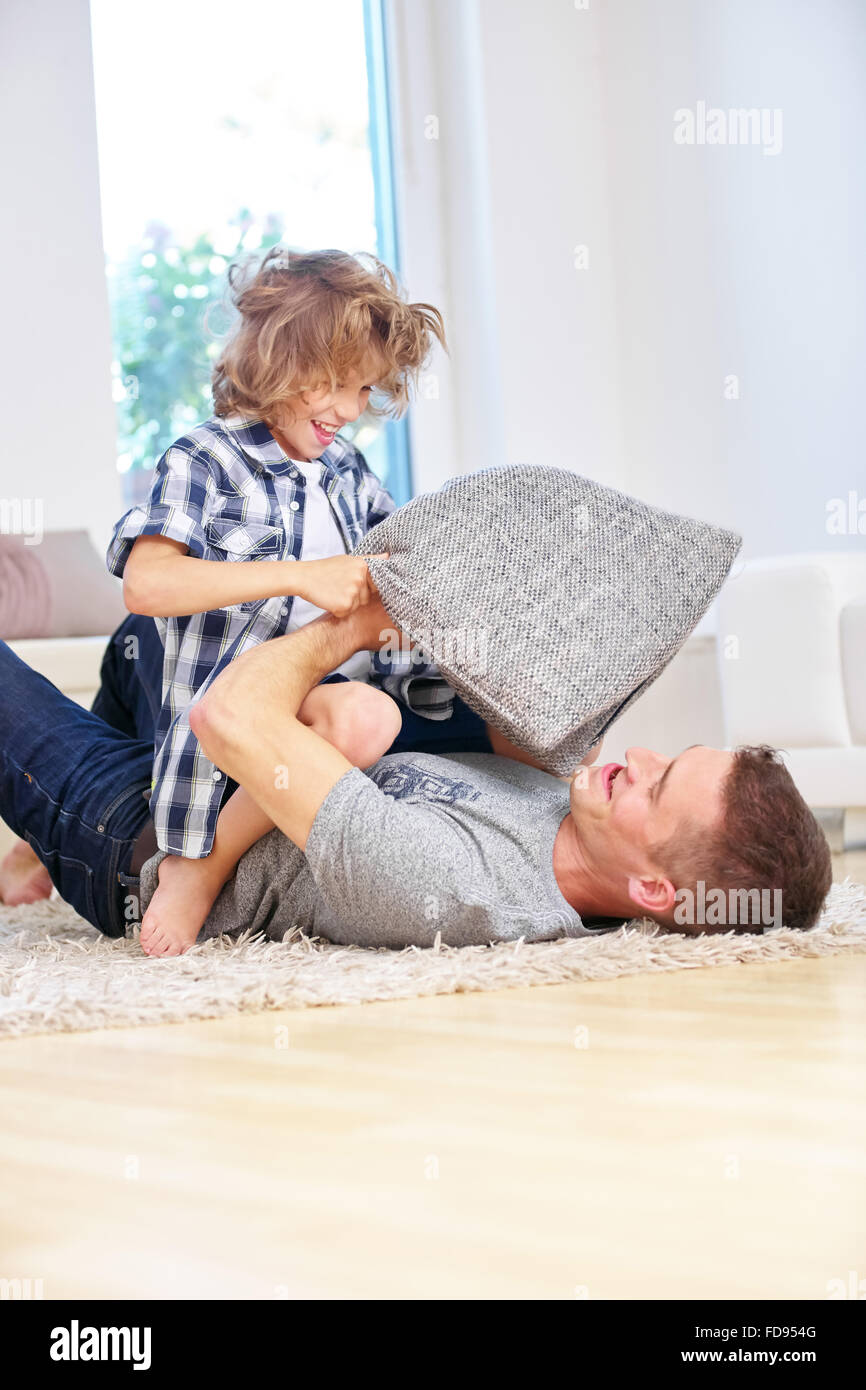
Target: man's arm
x,y
247,721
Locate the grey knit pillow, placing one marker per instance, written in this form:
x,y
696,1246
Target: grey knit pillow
x,y
548,601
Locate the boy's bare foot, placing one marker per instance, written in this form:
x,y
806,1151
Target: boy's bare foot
x,y
178,909
23,877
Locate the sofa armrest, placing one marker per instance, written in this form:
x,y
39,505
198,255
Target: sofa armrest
x,y
852,637
780,652
70,663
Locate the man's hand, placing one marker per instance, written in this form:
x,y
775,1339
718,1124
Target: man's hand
x,y
372,628
339,584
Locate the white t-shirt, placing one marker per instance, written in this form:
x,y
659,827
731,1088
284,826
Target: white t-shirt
x,y
322,539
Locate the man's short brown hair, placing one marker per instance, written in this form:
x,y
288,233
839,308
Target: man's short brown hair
x,y
766,839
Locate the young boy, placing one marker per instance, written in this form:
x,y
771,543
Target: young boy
x,y
246,536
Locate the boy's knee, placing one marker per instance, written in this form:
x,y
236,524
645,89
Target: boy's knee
x,y
363,723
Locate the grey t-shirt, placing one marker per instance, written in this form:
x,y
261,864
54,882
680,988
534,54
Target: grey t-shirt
x,y
417,844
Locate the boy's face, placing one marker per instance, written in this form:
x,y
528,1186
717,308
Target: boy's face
x,y
309,422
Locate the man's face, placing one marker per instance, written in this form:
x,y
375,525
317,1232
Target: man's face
x,y
308,423
621,811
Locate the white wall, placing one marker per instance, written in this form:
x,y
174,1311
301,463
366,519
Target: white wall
x,y
438,119
59,440
558,324
555,130
732,261
702,262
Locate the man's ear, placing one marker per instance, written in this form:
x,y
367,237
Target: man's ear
x,y
654,895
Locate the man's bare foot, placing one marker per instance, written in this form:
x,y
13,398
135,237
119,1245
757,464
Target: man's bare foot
x,y
178,909
23,877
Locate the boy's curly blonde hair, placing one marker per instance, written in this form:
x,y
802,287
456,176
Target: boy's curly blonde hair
x,y
305,318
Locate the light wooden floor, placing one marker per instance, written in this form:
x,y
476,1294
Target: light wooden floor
x,y
699,1134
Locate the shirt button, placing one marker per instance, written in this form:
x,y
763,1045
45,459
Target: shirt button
x,y
294,506
284,610
217,776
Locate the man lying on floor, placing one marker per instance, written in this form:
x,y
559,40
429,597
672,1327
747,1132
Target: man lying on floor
x,y
474,846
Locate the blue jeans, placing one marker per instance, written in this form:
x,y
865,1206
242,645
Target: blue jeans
x,y
74,782
73,787
130,691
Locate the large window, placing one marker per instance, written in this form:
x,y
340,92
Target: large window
x,y
226,129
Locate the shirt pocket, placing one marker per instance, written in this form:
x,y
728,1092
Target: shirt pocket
x,y
244,540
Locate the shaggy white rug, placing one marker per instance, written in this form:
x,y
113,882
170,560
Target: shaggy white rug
x,y
59,975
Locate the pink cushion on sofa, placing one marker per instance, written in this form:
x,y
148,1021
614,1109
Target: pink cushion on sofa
x,y
25,593
58,588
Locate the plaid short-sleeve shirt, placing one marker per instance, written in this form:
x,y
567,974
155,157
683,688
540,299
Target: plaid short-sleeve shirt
x,y
228,491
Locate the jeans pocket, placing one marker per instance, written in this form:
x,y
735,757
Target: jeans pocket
x,y
121,800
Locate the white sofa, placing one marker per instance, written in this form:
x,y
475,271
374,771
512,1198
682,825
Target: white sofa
x,y
70,663
792,672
